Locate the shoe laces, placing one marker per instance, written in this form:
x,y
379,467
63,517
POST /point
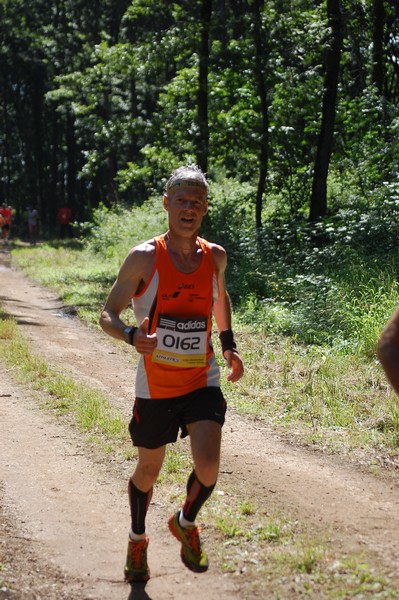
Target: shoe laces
x,y
136,551
193,539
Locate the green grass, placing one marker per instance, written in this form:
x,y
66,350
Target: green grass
x,y
334,400
283,558
176,465
80,280
339,400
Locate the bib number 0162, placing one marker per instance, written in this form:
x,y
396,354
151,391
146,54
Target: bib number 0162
x,y
181,343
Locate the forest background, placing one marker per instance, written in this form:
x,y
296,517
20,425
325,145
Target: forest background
x,y
291,109
294,104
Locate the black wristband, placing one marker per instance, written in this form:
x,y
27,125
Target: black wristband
x,y
227,340
128,334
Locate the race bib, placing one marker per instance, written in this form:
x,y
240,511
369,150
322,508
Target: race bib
x,y
181,342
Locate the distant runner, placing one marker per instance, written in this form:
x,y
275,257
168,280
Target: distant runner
x,y
33,224
64,216
5,222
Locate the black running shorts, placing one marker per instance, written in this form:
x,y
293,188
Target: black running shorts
x,y
157,422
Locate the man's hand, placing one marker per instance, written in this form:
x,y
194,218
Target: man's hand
x,y
234,363
144,343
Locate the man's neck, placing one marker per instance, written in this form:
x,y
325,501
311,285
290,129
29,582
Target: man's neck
x,y
185,252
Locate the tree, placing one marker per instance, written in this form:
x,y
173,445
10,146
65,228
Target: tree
x,y
391,52
318,203
261,59
378,44
203,126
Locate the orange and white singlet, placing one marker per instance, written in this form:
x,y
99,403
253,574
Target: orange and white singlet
x,y
180,309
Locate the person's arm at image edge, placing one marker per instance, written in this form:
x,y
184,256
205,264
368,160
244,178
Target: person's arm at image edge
x,y
388,350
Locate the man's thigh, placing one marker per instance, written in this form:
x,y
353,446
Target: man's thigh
x,y
204,404
154,423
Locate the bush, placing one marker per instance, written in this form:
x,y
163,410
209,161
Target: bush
x,y
114,231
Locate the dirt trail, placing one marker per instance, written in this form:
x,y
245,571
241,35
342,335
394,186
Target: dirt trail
x,y
66,516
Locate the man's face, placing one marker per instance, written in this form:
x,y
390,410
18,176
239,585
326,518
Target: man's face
x,y
186,207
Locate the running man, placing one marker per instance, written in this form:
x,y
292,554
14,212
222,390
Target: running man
x,y
176,283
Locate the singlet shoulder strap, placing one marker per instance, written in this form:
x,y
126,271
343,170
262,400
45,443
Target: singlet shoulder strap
x,y
160,240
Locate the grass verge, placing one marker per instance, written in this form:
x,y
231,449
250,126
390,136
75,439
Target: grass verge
x,y
85,407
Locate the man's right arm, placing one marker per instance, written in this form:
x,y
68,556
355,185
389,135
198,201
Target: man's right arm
x,y
133,273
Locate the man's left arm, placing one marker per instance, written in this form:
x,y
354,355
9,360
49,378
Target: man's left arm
x,y
222,314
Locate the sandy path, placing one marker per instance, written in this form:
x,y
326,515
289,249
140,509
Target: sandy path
x,y
73,512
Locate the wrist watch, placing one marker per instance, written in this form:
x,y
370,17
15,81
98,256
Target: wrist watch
x,y
128,335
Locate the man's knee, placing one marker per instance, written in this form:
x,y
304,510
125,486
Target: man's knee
x,y
147,471
207,469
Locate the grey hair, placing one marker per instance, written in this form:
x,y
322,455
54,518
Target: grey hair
x,y
190,175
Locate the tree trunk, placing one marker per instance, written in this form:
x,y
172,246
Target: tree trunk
x,y
42,200
318,205
71,161
54,184
203,142
378,44
262,92
5,193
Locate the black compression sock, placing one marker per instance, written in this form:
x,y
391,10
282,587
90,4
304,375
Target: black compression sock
x,y
139,502
197,494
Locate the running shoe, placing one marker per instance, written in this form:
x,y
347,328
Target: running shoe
x,y
192,555
136,568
